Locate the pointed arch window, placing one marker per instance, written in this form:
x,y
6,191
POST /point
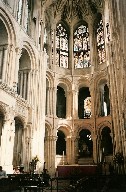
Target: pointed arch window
x,y
61,46
100,42
81,47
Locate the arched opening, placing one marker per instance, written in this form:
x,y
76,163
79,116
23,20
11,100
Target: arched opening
x,y
85,144
84,103
3,47
106,142
24,69
60,143
61,103
18,143
104,100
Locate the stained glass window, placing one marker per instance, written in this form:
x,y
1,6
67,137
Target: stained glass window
x,y
61,46
100,42
81,47
19,13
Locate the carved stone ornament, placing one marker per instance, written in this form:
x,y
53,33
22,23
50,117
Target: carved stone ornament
x,y
73,9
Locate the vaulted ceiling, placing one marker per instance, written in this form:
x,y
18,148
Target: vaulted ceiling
x,y
70,9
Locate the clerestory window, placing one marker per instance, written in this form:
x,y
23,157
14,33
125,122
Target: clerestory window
x,y
100,42
81,47
61,46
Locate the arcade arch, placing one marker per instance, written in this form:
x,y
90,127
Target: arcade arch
x,y
85,144
23,74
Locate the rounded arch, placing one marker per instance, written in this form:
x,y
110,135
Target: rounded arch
x,y
61,143
24,61
48,129
20,119
50,79
101,79
103,124
80,127
84,99
106,141
9,27
18,141
65,84
26,45
83,82
85,143
66,129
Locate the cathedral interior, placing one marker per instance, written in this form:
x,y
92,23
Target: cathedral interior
x,y
62,77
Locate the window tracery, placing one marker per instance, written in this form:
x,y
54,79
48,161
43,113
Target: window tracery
x,y
61,46
100,42
81,47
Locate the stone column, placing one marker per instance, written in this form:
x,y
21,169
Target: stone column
x,y
76,150
27,147
54,50
7,140
114,101
69,105
92,41
50,100
4,64
16,69
71,56
47,101
95,149
25,85
50,62
54,100
29,87
68,149
50,144
75,104
21,83
92,93
11,69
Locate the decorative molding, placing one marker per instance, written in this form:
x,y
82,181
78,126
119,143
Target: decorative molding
x,y
11,91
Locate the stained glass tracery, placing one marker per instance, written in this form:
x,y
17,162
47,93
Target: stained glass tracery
x,y
100,42
81,47
61,46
